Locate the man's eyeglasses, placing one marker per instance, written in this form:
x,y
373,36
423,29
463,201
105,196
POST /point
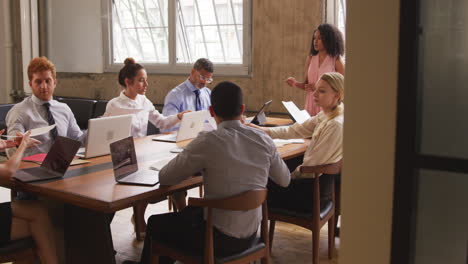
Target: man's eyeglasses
x,y
206,79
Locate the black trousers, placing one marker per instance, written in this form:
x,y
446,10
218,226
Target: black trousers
x,y
5,223
186,231
298,196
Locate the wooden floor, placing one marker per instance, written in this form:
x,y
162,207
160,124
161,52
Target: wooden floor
x,y
292,244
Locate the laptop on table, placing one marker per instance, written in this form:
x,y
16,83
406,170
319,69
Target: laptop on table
x,y
260,117
55,163
191,124
103,131
125,165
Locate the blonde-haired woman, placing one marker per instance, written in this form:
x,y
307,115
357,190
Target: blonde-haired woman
x,y
326,133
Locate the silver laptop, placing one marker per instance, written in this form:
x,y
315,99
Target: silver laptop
x,y
125,165
192,123
55,163
103,131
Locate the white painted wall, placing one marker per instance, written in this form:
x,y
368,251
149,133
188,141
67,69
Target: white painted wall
x,y
75,35
372,36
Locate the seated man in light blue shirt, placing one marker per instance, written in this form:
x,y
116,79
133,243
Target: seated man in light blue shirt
x,y
40,110
234,159
191,94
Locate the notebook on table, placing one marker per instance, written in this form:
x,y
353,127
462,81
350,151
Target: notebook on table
x,y
125,165
55,163
103,131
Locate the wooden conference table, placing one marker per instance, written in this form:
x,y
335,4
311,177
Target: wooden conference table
x,y
89,193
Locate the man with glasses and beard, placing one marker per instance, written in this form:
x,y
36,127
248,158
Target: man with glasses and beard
x,y
192,94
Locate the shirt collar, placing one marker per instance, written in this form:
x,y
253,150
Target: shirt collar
x,y
190,86
230,124
122,96
38,101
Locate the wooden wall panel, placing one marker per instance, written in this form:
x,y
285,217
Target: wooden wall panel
x,y
281,36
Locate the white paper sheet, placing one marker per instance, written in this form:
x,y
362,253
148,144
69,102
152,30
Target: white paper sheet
x,y
158,165
35,132
298,115
281,142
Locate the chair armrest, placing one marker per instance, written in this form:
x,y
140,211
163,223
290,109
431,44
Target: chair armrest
x,y
332,168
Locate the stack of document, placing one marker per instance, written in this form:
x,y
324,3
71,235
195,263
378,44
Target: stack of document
x,y
281,142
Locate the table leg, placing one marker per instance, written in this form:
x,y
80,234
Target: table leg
x,y
88,236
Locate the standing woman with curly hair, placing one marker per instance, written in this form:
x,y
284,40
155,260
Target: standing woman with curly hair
x,y
326,50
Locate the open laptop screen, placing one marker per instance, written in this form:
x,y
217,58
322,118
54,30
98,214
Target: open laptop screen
x,y
260,117
123,157
61,154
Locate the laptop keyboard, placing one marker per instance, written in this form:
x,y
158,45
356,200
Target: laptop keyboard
x,y
139,174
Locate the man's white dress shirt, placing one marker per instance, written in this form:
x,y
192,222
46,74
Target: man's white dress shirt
x,y
30,113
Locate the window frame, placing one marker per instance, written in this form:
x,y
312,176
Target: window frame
x,y
174,68
330,11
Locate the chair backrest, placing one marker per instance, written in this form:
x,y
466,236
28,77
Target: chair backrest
x,y
241,202
99,108
4,108
152,130
82,109
332,168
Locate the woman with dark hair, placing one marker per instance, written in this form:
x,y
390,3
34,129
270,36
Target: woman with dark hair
x,y
134,80
23,218
326,50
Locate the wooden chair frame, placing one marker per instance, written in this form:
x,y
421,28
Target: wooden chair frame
x,y
313,223
19,251
139,214
245,201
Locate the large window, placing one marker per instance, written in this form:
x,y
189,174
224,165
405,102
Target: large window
x,y
169,35
335,13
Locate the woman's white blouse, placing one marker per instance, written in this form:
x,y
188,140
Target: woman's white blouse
x,y
118,105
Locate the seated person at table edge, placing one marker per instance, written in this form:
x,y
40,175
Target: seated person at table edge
x,y
40,109
234,159
21,219
326,145
134,80
191,94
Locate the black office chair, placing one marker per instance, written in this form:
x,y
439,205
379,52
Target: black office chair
x,y
152,130
99,108
4,108
82,109
159,107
